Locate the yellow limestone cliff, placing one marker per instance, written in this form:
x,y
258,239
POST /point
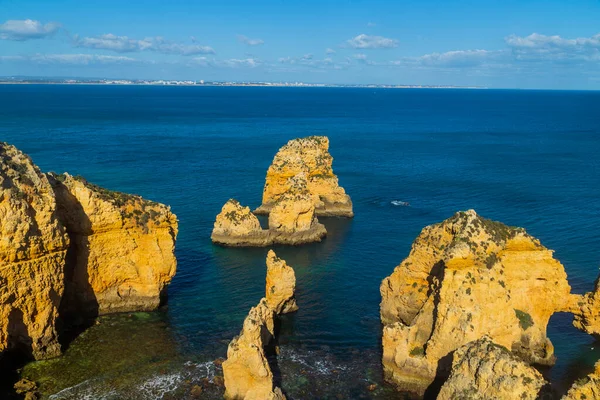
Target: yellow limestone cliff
x,y
292,221
587,388
33,248
281,285
246,371
466,278
483,370
121,256
309,156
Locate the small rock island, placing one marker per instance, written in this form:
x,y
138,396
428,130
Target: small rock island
x,y
300,186
469,278
71,251
247,373
309,156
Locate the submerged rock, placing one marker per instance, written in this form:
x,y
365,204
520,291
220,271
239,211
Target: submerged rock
x,y
281,285
309,156
33,248
121,256
466,278
483,370
246,371
587,388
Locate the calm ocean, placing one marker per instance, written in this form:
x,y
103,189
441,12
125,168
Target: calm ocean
x,y
526,158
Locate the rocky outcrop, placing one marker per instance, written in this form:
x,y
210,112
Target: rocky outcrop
x,y
483,370
33,248
587,388
586,310
309,156
466,278
73,249
281,285
246,371
121,256
292,221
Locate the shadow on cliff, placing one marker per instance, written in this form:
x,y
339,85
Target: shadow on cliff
x,y
78,307
19,352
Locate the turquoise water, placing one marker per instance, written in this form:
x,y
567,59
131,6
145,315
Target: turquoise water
x,y
526,158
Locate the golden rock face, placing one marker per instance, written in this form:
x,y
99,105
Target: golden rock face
x,y
466,278
309,156
586,310
246,371
281,285
121,256
33,248
586,388
483,370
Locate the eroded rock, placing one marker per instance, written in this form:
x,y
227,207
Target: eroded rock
x,y
587,388
33,248
466,278
483,370
281,285
121,256
309,156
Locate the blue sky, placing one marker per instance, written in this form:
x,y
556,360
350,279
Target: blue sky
x,y
504,44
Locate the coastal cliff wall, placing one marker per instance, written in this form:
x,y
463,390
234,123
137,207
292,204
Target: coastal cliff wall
x,y
33,249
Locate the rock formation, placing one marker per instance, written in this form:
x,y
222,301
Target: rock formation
x,y
74,249
483,370
586,310
587,388
309,156
466,278
281,285
32,257
292,221
247,372
121,255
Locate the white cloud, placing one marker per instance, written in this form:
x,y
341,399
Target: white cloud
x,y
458,58
71,59
363,41
329,51
537,47
250,42
359,56
371,24
27,29
229,63
124,44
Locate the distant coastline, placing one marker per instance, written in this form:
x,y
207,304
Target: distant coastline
x,y
140,82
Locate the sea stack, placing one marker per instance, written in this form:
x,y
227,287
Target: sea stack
x,y
122,252
281,285
309,156
33,250
246,371
292,222
466,278
72,248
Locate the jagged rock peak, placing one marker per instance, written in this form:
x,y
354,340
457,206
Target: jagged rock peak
x,y
281,285
309,156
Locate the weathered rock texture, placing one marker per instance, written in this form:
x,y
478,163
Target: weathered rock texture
x,y
121,256
587,388
33,248
483,370
466,278
246,371
309,156
586,310
281,285
292,222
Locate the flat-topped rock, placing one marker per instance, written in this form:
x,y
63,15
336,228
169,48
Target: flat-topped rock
x,y
309,156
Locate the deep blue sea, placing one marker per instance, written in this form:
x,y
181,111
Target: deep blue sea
x,y
526,158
